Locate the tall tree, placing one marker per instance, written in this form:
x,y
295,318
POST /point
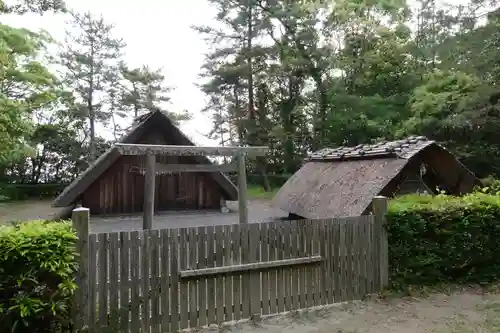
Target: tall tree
x,y
90,59
145,90
36,6
25,87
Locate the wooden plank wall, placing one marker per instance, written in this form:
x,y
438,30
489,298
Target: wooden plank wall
x,y
125,301
120,190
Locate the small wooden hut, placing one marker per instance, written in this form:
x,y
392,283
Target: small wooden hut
x,y
114,183
342,181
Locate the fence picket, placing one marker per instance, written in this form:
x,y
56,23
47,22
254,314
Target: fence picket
x,y
310,269
356,260
295,271
245,276
264,243
165,280
102,302
287,277
211,319
254,276
174,280
280,286
323,274
92,276
228,278
114,257
202,281
184,284
135,282
193,283
330,274
315,268
236,248
362,257
124,277
303,270
273,274
219,281
145,274
155,280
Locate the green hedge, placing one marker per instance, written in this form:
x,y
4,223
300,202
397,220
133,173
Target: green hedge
x,y
436,239
30,191
37,263
491,185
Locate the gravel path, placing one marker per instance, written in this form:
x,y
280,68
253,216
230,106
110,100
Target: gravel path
x,y
27,210
258,211
469,311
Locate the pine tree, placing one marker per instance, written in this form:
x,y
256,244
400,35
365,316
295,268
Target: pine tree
x,y
90,59
144,90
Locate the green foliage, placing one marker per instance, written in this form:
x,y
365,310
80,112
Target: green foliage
x,y
30,6
37,265
436,239
27,86
258,192
30,191
491,185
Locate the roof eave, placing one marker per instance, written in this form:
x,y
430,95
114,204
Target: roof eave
x,y
71,193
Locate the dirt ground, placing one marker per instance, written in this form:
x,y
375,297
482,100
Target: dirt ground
x,y
258,211
26,210
466,311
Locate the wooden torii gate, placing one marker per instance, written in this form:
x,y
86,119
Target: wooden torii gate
x,y
150,151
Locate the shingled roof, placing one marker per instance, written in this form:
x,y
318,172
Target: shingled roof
x,y
342,181
405,148
141,125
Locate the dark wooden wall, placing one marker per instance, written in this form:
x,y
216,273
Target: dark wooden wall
x,y
120,190
412,182
447,173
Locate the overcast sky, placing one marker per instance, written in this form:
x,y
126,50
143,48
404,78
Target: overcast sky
x,y
158,34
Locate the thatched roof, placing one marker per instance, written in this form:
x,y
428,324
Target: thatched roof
x,y
342,181
140,127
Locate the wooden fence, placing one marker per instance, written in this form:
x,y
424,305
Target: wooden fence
x,y
171,279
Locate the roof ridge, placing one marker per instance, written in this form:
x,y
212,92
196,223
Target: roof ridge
x,y
402,148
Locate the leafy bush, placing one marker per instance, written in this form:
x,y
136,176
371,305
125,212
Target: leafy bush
x,y
436,239
491,185
37,263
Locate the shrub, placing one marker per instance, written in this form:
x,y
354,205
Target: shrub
x,y
37,263
435,239
30,191
491,185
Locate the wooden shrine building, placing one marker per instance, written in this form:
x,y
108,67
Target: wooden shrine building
x,y
115,182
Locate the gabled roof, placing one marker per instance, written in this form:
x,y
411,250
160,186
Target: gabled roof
x,y
71,193
337,182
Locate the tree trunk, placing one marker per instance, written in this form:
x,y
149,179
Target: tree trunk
x,y
90,106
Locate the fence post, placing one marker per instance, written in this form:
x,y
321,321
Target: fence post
x,y
80,222
379,207
242,189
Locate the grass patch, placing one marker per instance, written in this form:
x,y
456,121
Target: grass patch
x,y
257,192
